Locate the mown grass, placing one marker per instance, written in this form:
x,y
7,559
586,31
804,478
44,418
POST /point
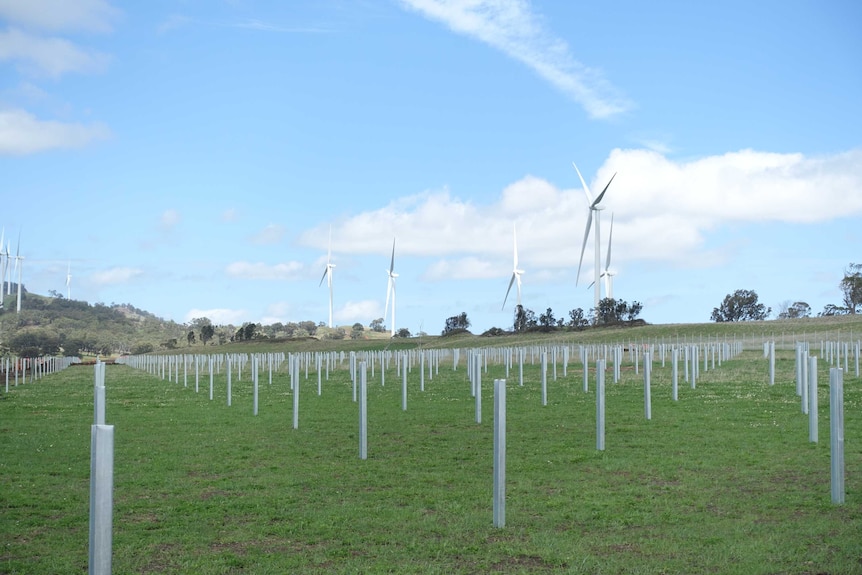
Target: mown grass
x,y
722,481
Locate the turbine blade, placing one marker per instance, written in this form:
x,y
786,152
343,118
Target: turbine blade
x,y
511,281
325,272
599,199
586,189
584,246
392,262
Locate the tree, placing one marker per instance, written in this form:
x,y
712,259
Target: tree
x,y
249,330
795,310
207,333
377,325
402,332
832,309
456,324
577,319
191,337
357,331
851,287
741,305
546,320
520,323
613,311
309,326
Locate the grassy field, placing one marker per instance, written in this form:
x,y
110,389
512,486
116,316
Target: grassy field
x,y
722,481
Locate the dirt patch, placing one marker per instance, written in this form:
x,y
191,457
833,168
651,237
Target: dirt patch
x,y
531,562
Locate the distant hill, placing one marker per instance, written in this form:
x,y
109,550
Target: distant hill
x,y
55,325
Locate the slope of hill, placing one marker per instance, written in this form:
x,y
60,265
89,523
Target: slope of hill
x,y
55,325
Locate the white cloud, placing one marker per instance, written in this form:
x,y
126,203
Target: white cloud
x,y
358,311
23,133
89,15
219,316
664,210
262,271
230,215
463,268
118,275
44,56
271,234
513,28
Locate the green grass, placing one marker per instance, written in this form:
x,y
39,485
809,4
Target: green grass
x,y
722,481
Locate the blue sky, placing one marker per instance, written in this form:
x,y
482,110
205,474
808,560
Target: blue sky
x,y
190,157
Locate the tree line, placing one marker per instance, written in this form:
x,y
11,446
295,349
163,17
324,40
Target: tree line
x,y
743,304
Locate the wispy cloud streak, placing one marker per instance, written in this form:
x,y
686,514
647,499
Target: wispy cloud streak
x,y
513,28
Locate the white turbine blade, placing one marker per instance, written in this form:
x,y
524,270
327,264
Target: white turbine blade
x,y
584,246
511,281
392,262
586,189
610,239
599,199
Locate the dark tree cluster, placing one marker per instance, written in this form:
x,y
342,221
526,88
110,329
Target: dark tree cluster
x,y
741,305
456,324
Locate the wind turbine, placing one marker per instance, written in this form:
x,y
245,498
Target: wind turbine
x,y
20,266
594,207
608,275
69,281
8,271
390,288
4,263
516,273
327,274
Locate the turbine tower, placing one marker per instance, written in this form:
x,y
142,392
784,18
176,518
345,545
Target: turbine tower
x,y
607,274
19,263
516,273
390,288
9,271
69,281
594,207
327,274
4,263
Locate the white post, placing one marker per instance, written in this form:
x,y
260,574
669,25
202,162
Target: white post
x,y
101,498
477,385
229,389
99,395
254,381
674,356
804,388
812,399
404,383
647,395
295,368
363,412
836,433
600,404
499,453
544,378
